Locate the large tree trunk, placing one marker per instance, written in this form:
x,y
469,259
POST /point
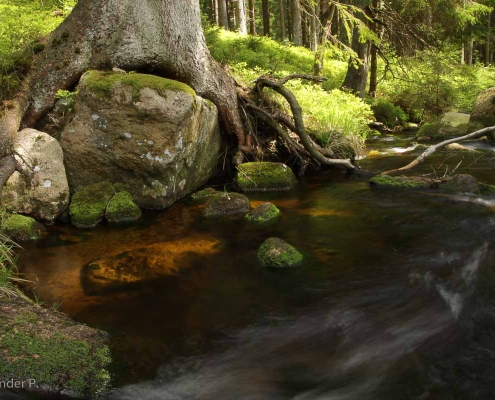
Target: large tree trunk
x,y
162,37
223,16
265,5
296,23
240,17
281,10
252,20
357,75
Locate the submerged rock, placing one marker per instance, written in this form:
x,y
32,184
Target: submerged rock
x,y
277,253
265,176
456,147
122,271
51,351
263,213
40,189
461,183
121,208
227,204
22,228
154,135
89,204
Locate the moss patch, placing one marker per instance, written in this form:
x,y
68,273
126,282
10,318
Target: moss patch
x,y
277,253
102,82
227,204
485,188
204,194
265,176
89,204
21,228
59,354
401,182
440,130
263,213
121,208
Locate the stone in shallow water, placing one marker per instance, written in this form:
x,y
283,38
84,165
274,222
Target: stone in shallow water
x,y
121,208
277,253
263,213
205,194
122,271
89,204
22,228
264,177
227,204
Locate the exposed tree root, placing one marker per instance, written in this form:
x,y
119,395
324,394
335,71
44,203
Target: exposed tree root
x,y
430,150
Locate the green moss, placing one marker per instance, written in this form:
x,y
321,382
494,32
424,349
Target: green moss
x,y
32,349
89,204
265,176
263,213
485,188
400,182
102,82
20,227
439,130
277,253
204,194
122,208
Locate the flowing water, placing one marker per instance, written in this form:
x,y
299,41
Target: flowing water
x,y
395,298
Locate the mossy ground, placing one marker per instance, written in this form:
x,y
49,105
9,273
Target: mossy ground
x,y
400,182
89,204
57,353
263,213
265,176
277,253
122,208
101,82
20,227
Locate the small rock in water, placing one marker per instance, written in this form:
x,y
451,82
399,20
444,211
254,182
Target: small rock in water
x,y
263,213
277,253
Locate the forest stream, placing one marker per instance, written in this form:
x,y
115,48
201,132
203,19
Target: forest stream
x,y
394,300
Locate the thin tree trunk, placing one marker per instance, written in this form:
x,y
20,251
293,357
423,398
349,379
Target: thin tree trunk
x,y
313,44
373,71
281,7
289,20
252,20
266,17
240,17
223,16
471,52
296,23
488,40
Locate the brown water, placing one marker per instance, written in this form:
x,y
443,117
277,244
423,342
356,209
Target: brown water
x,y
390,285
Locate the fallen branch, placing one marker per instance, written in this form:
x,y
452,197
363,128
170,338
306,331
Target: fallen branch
x,y
430,150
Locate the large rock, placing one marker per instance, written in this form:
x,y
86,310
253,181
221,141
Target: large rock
x,y
122,271
152,134
227,204
41,190
455,119
483,113
265,176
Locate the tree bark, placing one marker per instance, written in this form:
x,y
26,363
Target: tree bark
x,y
240,17
223,16
252,21
296,23
266,17
281,11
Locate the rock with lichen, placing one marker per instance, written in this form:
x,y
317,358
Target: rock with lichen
x,y
122,208
89,204
227,204
153,134
277,253
39,188
264,177
263,213
21,228
204,194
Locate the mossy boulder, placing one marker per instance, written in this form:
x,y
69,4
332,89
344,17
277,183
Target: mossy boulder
x,y
461,183
204,194
277,253
442,130
50,352
265,176
263,213
226,204
485,188
402,182
22,228
121,208
89,204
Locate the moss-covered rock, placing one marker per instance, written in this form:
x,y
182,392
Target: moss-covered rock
x,y
121,208
461,183
442,130
402,182
50,352
265,176
485,188
263,213
227,204
89,204
204,194
21,228
277,253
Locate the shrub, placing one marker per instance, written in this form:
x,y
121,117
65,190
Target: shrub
x,y
388,114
